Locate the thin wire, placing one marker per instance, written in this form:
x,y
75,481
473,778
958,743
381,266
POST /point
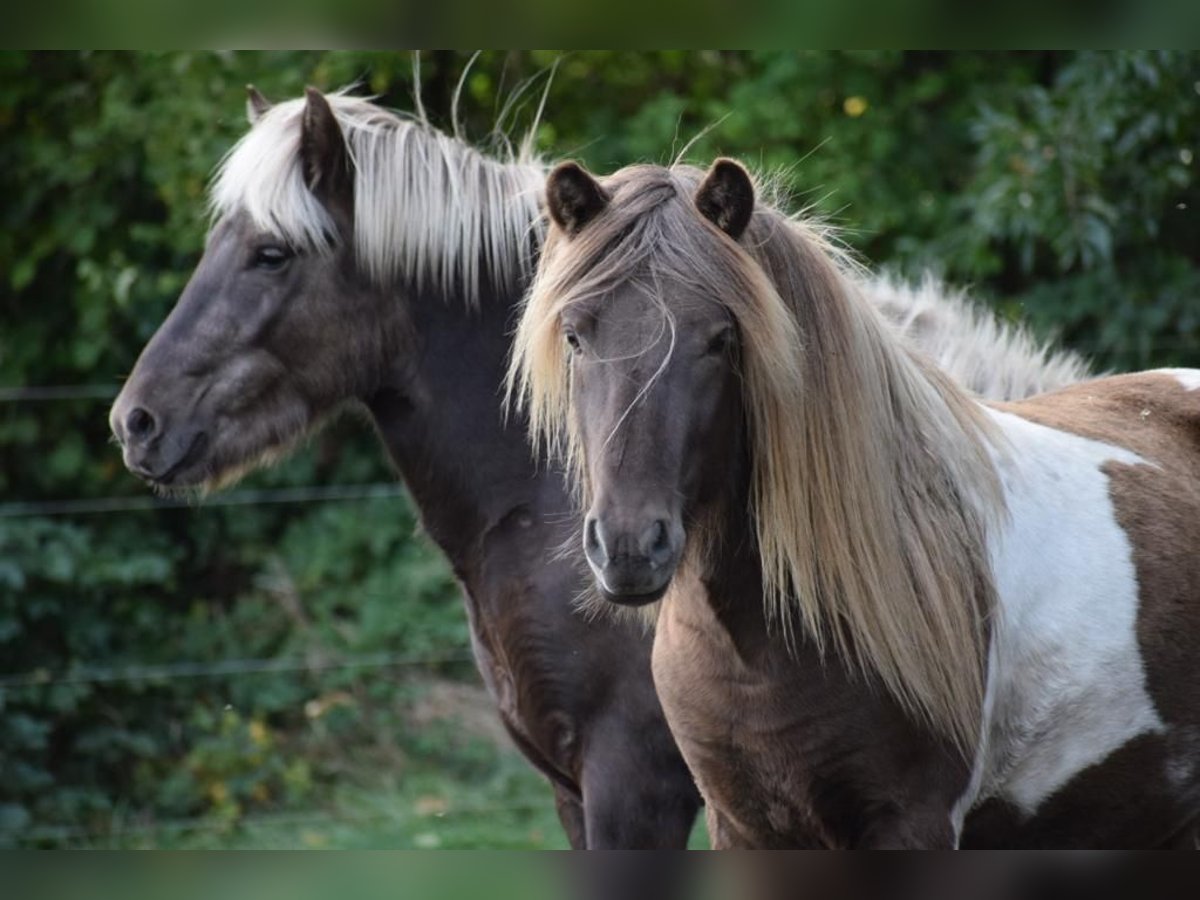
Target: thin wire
x,y
224,667
59,392
307,494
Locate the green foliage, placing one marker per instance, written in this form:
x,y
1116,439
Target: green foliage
x,y
1060,185
1084,200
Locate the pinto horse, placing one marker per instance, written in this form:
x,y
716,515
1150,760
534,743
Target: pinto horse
x,y
363,257
891,615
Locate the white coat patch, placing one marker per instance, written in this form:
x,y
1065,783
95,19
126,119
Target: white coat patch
x,y
1066,685
1189,378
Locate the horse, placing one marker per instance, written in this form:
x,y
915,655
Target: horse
x,y
361,257
887,613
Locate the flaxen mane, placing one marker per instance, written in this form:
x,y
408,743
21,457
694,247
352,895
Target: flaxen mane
x,y
436,209
426,204
873,484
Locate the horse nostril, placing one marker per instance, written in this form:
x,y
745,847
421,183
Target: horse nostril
x,y
656,541
661,540
139,423
591,539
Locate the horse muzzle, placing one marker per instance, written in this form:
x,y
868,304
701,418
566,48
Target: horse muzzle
x,y
169,462
634,564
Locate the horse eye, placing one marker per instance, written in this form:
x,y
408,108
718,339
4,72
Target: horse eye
x,y
572,340
271,258
720,342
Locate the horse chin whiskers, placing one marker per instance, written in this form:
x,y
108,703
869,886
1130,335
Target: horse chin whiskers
x,y
226,478
590,604
188,492
231,473
229,464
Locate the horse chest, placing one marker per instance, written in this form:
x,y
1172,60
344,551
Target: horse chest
x,y
785,752
730,725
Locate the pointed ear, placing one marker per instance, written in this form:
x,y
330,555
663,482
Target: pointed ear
x,y
256,104
726,197
323,154
573,197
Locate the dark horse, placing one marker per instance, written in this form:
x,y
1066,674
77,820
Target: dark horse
x,y
362,257
892,615
297,308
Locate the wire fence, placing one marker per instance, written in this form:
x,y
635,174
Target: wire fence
x,y
118,504
147,826
224,668
299,494
17,394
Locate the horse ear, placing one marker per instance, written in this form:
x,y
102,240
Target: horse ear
x,y
256,104
573,197
726,197
323,153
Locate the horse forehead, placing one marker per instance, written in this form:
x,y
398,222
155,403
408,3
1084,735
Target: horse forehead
x,y
683,305
233,227
620,314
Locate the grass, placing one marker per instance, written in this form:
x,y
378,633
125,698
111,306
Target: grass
x,y
511,808
425,765
455,783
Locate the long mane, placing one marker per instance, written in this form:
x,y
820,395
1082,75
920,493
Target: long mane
x,y
873,485
427,206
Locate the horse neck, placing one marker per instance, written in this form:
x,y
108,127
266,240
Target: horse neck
x,y
439,413
880,492
726,558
